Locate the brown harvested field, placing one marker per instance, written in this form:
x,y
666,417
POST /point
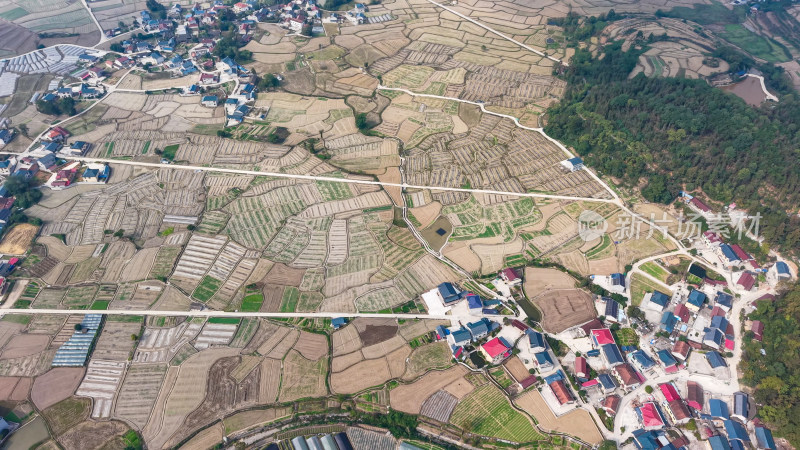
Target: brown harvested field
x,y
346,340
409,397
302,378
246,419
206,438
18,239
270,380
516,368
65,414
284,275
539,280
383,348
565,308
15,388
312,346
577,422
339,363
374,331
459,388
432,356
272,298
115,341
361,376
279,349
57,384
138,392
24,345
91,434
426,214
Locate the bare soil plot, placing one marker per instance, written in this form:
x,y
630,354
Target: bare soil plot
x,y
374,331
270,373
302,378
206,438
360,376
284,275
577,422
517,369
24,345
17,240
100,384
539,280
14,389
410,397
27,366
312,346
383,348
564,308
346,340
460,388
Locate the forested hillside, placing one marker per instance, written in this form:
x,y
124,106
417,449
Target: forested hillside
x,y
684,134
776,374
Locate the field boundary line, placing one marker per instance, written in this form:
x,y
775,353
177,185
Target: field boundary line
x,y
488,28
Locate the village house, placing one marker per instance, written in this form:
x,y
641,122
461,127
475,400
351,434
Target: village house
x,y
572,164
495,350
96,173
6,136
7,166
209,101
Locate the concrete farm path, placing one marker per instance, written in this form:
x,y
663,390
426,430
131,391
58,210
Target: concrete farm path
x,y
213,313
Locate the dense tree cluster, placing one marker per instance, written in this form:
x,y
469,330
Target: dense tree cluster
x,y
684,134
57,107
775,375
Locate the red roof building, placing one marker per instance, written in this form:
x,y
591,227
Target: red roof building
x,y
626,375
495,350
591,325
602,336
740,253
746,281
581,368
711,237
528,382
757,327
699,204
519,325
694,395
682,313
681,350
611,404
669,392
717,311
562,393
680,413
650,416
57,133
510,276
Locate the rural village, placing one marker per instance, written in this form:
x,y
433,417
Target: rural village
x,y
298,226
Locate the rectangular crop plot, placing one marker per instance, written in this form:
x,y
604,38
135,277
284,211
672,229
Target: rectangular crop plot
x,y
80,297
139,391
207,288
165,261
291,295
486,411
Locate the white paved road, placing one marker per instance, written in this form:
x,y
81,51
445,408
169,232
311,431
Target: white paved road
x,y
212,313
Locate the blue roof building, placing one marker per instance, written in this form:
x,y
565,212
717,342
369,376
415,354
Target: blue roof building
x,y
724,300
728,253
441,332
651,440
543,360
536,340
607,382
714,338
478,329
736,431
736,445
552,378
668,321
718,409
741,406
715,360
449,292
696,299
612,354
718,443
720,322
659,298
461,336
612,308
783,269
666,358
338,322
642,359
474,301
764,439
